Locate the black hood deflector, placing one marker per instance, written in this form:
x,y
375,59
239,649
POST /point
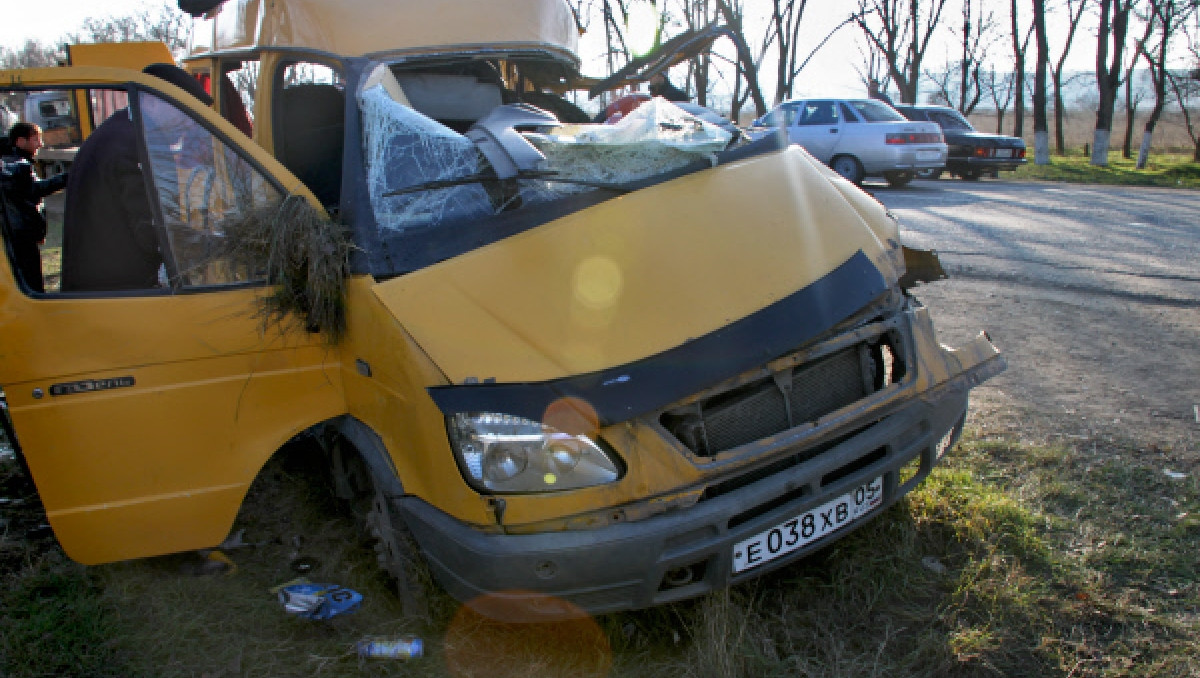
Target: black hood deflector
x,y
627,391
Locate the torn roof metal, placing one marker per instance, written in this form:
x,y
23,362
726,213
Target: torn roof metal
x,y
371,28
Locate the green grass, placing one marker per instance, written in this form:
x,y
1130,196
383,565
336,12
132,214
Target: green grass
x,y
1171,171
1009,560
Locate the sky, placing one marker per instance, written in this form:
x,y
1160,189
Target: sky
x,y
831,72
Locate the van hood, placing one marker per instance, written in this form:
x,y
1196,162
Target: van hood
x,y
674,287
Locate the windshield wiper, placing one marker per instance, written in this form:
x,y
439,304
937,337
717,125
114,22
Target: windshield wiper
x,y
481,177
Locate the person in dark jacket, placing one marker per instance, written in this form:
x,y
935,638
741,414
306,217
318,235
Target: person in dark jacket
x,y
109,238
24,191
661,87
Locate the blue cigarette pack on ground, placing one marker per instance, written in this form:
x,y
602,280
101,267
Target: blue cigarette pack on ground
x,y
319,601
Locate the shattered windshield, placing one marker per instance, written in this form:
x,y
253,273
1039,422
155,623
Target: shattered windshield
x,y
422,174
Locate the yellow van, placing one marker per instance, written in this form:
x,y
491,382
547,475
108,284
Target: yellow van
x,y
588,368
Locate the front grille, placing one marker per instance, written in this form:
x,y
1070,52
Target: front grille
x,y
786,399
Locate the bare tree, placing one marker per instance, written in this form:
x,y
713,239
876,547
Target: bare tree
x,y
1041,126
1133,95
697,14
616,17
949,86
731,11
165,24
900,30
1133,99
784,26
1075,9
1165,17
874,66
999,88
975,36
33,54
1184,87
1110,48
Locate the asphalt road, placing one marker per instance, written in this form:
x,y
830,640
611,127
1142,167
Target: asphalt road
x,y
1143,242
1092,293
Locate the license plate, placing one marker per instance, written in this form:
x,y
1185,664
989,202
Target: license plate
x,y
807,527
1004,152
928,155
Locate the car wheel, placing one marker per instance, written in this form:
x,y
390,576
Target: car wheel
x,y
899,179
929,174
849,167
971,175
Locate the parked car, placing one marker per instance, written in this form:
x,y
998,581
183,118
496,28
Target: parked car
x,y
972,153
859,138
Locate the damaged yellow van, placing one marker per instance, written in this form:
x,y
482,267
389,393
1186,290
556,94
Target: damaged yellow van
x,y
586,367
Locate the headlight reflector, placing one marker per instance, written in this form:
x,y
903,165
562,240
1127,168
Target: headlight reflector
x,y
501,453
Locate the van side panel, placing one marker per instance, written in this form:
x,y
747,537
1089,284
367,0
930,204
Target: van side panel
x,y
145,419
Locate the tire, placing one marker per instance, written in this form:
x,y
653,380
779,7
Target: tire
x,y
395,548
899,179
849,167
971,175
929,174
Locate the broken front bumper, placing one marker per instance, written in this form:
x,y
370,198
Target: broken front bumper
x,y
688,552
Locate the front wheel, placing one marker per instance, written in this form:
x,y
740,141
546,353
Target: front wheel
x,y
849,167
899,179
395,547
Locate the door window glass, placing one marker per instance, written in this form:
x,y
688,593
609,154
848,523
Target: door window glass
x,y
819,113
208,194
34,194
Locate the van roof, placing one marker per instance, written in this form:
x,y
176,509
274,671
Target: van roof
x,y
372,28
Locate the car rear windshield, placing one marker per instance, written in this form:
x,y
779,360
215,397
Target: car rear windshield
x,y
876,111
951,120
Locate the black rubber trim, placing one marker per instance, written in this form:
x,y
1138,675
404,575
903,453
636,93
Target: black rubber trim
x,y
621,393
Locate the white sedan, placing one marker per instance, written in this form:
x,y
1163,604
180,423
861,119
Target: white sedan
x,y
858,138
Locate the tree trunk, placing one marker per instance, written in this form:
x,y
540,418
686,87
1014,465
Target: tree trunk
x,y
1100,141
1060,141
1040,125
1148,134
1114,24
1018,75
1130,120
1041,148
1144,151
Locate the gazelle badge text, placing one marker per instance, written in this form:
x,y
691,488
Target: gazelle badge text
x,y
90,385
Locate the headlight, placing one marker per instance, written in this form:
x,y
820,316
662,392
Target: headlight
x,y
502,453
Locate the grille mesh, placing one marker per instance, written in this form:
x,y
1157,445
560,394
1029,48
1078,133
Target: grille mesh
x,y
761,409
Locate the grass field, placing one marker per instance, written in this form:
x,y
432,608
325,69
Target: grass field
x,y
1010,560
1166,170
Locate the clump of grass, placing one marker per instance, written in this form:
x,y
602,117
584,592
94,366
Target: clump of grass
x,y
53,619
55,623
306,260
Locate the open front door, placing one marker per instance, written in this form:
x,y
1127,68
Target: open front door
x,y
146,404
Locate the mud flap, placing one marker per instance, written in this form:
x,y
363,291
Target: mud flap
x,y
921,266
